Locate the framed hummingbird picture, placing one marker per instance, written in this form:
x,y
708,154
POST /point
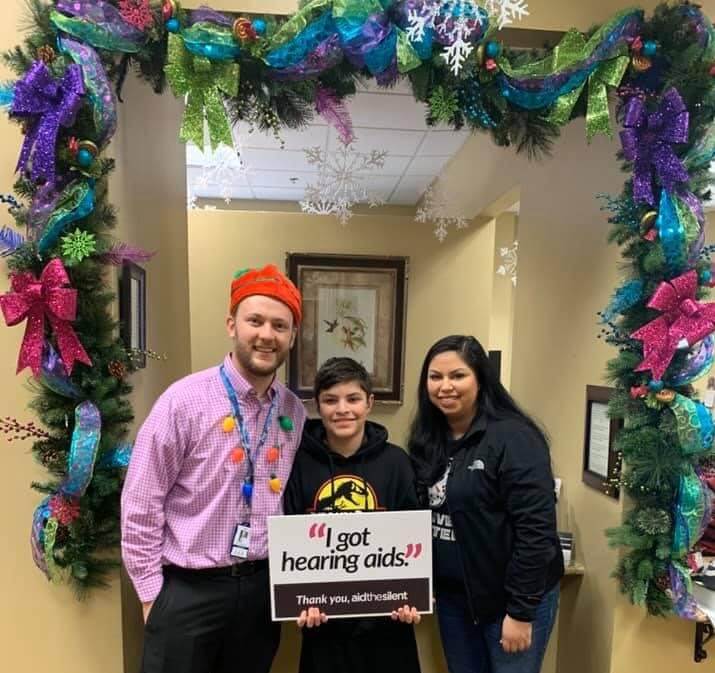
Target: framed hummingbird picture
x,y
354,306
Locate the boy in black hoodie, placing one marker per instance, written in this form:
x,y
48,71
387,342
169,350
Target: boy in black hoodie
x,y
345,464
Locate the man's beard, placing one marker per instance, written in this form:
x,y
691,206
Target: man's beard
x,y
246,353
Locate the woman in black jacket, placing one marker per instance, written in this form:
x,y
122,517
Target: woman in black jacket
x,y
483,468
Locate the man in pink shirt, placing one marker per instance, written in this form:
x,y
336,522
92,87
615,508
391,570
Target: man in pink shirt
x,y
209,465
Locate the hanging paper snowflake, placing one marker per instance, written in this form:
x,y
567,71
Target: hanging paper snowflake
x,y
78,245
136,13
341,181
509,257
456,24
434,209
224,169
507,11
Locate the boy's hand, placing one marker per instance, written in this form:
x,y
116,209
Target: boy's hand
x,y
312,617
407,615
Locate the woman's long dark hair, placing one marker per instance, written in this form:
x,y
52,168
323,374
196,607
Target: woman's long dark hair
x,y
429,430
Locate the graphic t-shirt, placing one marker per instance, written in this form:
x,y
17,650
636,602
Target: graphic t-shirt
x,y
445,553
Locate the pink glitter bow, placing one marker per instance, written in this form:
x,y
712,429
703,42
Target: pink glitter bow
x,y
684,322
34,299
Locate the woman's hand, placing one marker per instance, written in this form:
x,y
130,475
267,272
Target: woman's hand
x,y
407,615
515,635
311,617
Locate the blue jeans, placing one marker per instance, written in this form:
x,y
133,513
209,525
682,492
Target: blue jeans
x,y
475,648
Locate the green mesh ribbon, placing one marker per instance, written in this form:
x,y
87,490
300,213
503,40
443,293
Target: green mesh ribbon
x,y
92,33
689,512
407,58
50,532
568,54
213,42
299,21
203,82
689,428
356,10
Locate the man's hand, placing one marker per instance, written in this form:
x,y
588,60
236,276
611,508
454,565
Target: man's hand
x,y
146,609
515,635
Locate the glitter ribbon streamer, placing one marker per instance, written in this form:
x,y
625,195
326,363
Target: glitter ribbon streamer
x,y
83,450
54,374
97,23
98,88
671,234
681,586
75,202
34,299
117,457
690,505
609,73
48,104
203,82
684,322
210,41
647,141
694,425
543,82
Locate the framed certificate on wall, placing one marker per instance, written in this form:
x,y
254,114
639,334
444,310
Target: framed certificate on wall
x,y
601,462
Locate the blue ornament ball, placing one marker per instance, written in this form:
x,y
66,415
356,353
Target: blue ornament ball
x,y
492,49
259,25
656,385
247,490
85,158
649,48
706,276
172,25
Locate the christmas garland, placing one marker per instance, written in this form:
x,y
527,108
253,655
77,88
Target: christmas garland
x,y
280,72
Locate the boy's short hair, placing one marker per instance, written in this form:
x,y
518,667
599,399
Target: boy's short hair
x,y
341,370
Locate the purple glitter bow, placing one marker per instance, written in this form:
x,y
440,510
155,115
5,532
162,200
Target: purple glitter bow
x,y
49,103
647,141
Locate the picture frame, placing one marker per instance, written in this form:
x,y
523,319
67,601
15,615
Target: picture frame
x,y
355,306
601,461
132,311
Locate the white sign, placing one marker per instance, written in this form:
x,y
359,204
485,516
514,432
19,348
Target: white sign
x,y
599,439
350,565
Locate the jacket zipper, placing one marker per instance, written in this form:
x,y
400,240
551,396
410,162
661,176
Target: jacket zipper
x,y
456,541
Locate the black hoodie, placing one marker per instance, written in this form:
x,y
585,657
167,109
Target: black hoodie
x,y
377,477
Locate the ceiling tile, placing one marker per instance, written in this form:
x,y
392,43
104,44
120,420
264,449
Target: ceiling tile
x,y
285,160
427,165
278,194
294,139
393,141
282,179
386,111
440,143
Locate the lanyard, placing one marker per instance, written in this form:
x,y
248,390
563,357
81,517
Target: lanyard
x,y
242,429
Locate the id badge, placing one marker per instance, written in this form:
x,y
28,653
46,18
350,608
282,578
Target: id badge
x,y
241,541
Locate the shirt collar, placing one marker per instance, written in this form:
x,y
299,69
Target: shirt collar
x,y
242,387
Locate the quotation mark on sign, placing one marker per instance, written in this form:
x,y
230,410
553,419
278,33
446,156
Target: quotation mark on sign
x,y
413,550
317,530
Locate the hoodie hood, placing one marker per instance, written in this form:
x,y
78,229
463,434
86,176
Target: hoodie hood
x,y
315,443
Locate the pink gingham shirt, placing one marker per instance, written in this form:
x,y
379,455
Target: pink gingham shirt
x,y
182,495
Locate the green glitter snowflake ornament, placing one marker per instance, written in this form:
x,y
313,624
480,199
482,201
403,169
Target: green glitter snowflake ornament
x,y
78,245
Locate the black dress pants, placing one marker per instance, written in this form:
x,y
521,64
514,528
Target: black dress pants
x,y
212,621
